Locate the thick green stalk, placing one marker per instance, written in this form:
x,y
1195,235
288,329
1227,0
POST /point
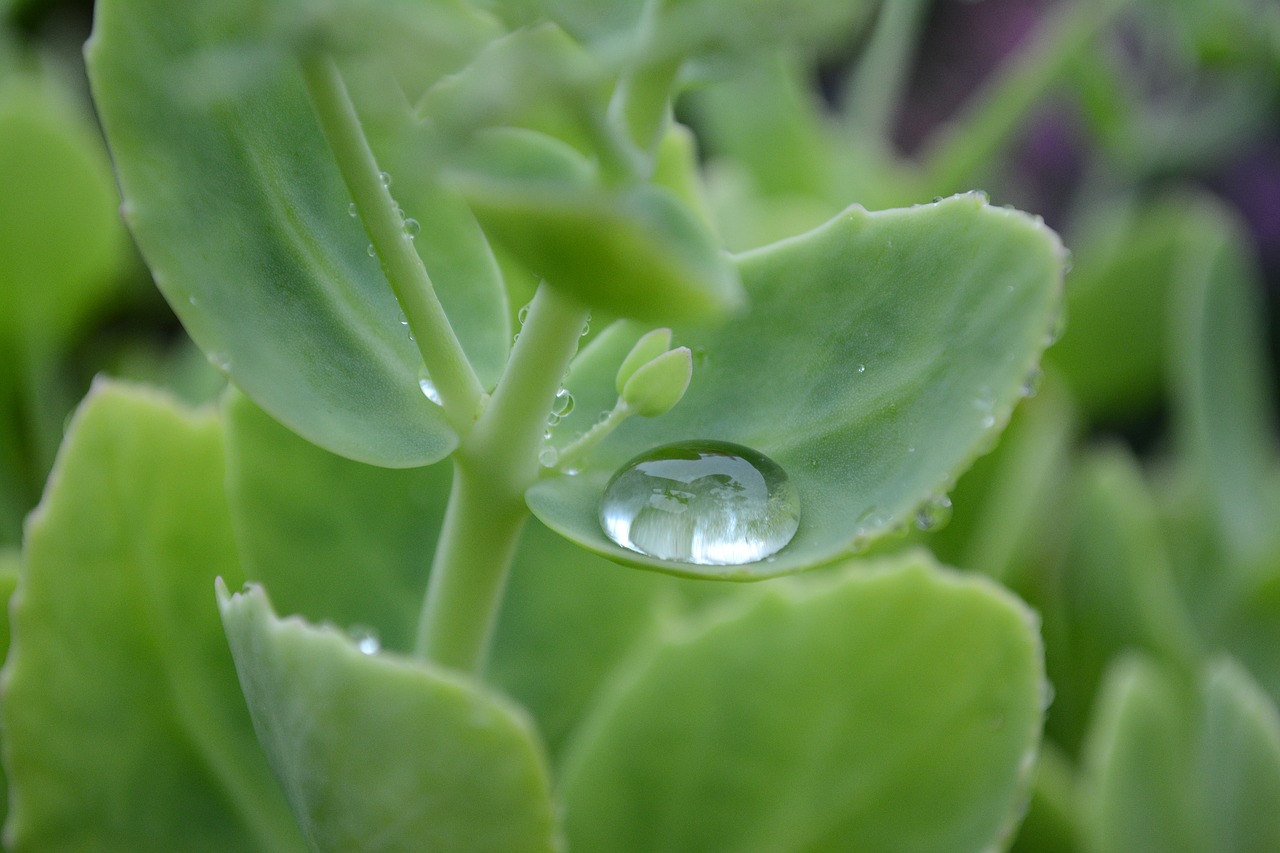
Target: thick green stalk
x,y
493,467
455,379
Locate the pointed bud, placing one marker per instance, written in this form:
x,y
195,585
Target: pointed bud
x,y
648,348
655,388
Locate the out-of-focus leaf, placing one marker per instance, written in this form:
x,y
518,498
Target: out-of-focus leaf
x,y
889,708
124,725
375,751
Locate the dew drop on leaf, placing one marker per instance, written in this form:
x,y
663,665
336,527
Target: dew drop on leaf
x,y
548,457
428,387
352,211
706,502
365,638
412,228
934,514
385,177
370,251
563,404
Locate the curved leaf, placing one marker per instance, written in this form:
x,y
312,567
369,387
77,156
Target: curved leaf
x,y
380,752
124,726
888,709
236,203
881,353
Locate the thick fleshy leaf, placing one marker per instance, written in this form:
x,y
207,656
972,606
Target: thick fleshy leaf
x,y
880,354
1175,770
61,241
891,708
124,725
375,751
332,539
239,209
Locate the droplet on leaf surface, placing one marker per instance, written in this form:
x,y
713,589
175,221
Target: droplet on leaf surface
x,y
712,503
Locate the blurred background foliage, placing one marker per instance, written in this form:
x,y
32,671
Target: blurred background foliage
x,y
1134,500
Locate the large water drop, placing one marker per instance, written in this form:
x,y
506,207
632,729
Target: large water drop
x,y
706,502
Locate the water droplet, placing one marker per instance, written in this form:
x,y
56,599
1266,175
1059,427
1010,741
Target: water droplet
x,y
563,404
352,211
586,328
934,514
706,502
937,198
370,251
191,300
412,228
365,638
1059,326
1067,261
548,457
385,177
1031,382
428,387
523,314
862,368
988,421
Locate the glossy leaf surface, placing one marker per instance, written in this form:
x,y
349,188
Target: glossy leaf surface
x,y
239,209
878,709
377,751
124,725
879,355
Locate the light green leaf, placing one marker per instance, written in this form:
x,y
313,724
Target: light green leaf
x,y
881,353
235,201
61,240
1241,756
124,726
1053,821
1174,769
375,751
879,709
1140,796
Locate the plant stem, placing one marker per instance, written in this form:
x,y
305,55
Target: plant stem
x,y
995,113
493,467
455,379
619,413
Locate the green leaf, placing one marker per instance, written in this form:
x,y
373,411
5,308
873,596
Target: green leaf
x,y
9,563
1173,769
890,708
377,751
61,240
1223,392
332,539
881,353
1140,774
1053,821
124,726
638,251
237,206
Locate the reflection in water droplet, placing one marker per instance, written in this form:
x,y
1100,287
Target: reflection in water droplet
x,y
412,228
563,404
365,638
523,314
934,514
707,502
428,387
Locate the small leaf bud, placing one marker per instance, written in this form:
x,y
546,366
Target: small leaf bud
x,y
648,348
655,388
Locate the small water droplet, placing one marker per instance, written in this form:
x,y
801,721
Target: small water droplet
x,y
937,198
934,514
428,387
586,328
706,502
1068,261
191,300
1057,329
365,638
862,368
385,177
523,314
1031,382
553,419
412,228
352,211
548,457
988,421
563,404
370,251
573,470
